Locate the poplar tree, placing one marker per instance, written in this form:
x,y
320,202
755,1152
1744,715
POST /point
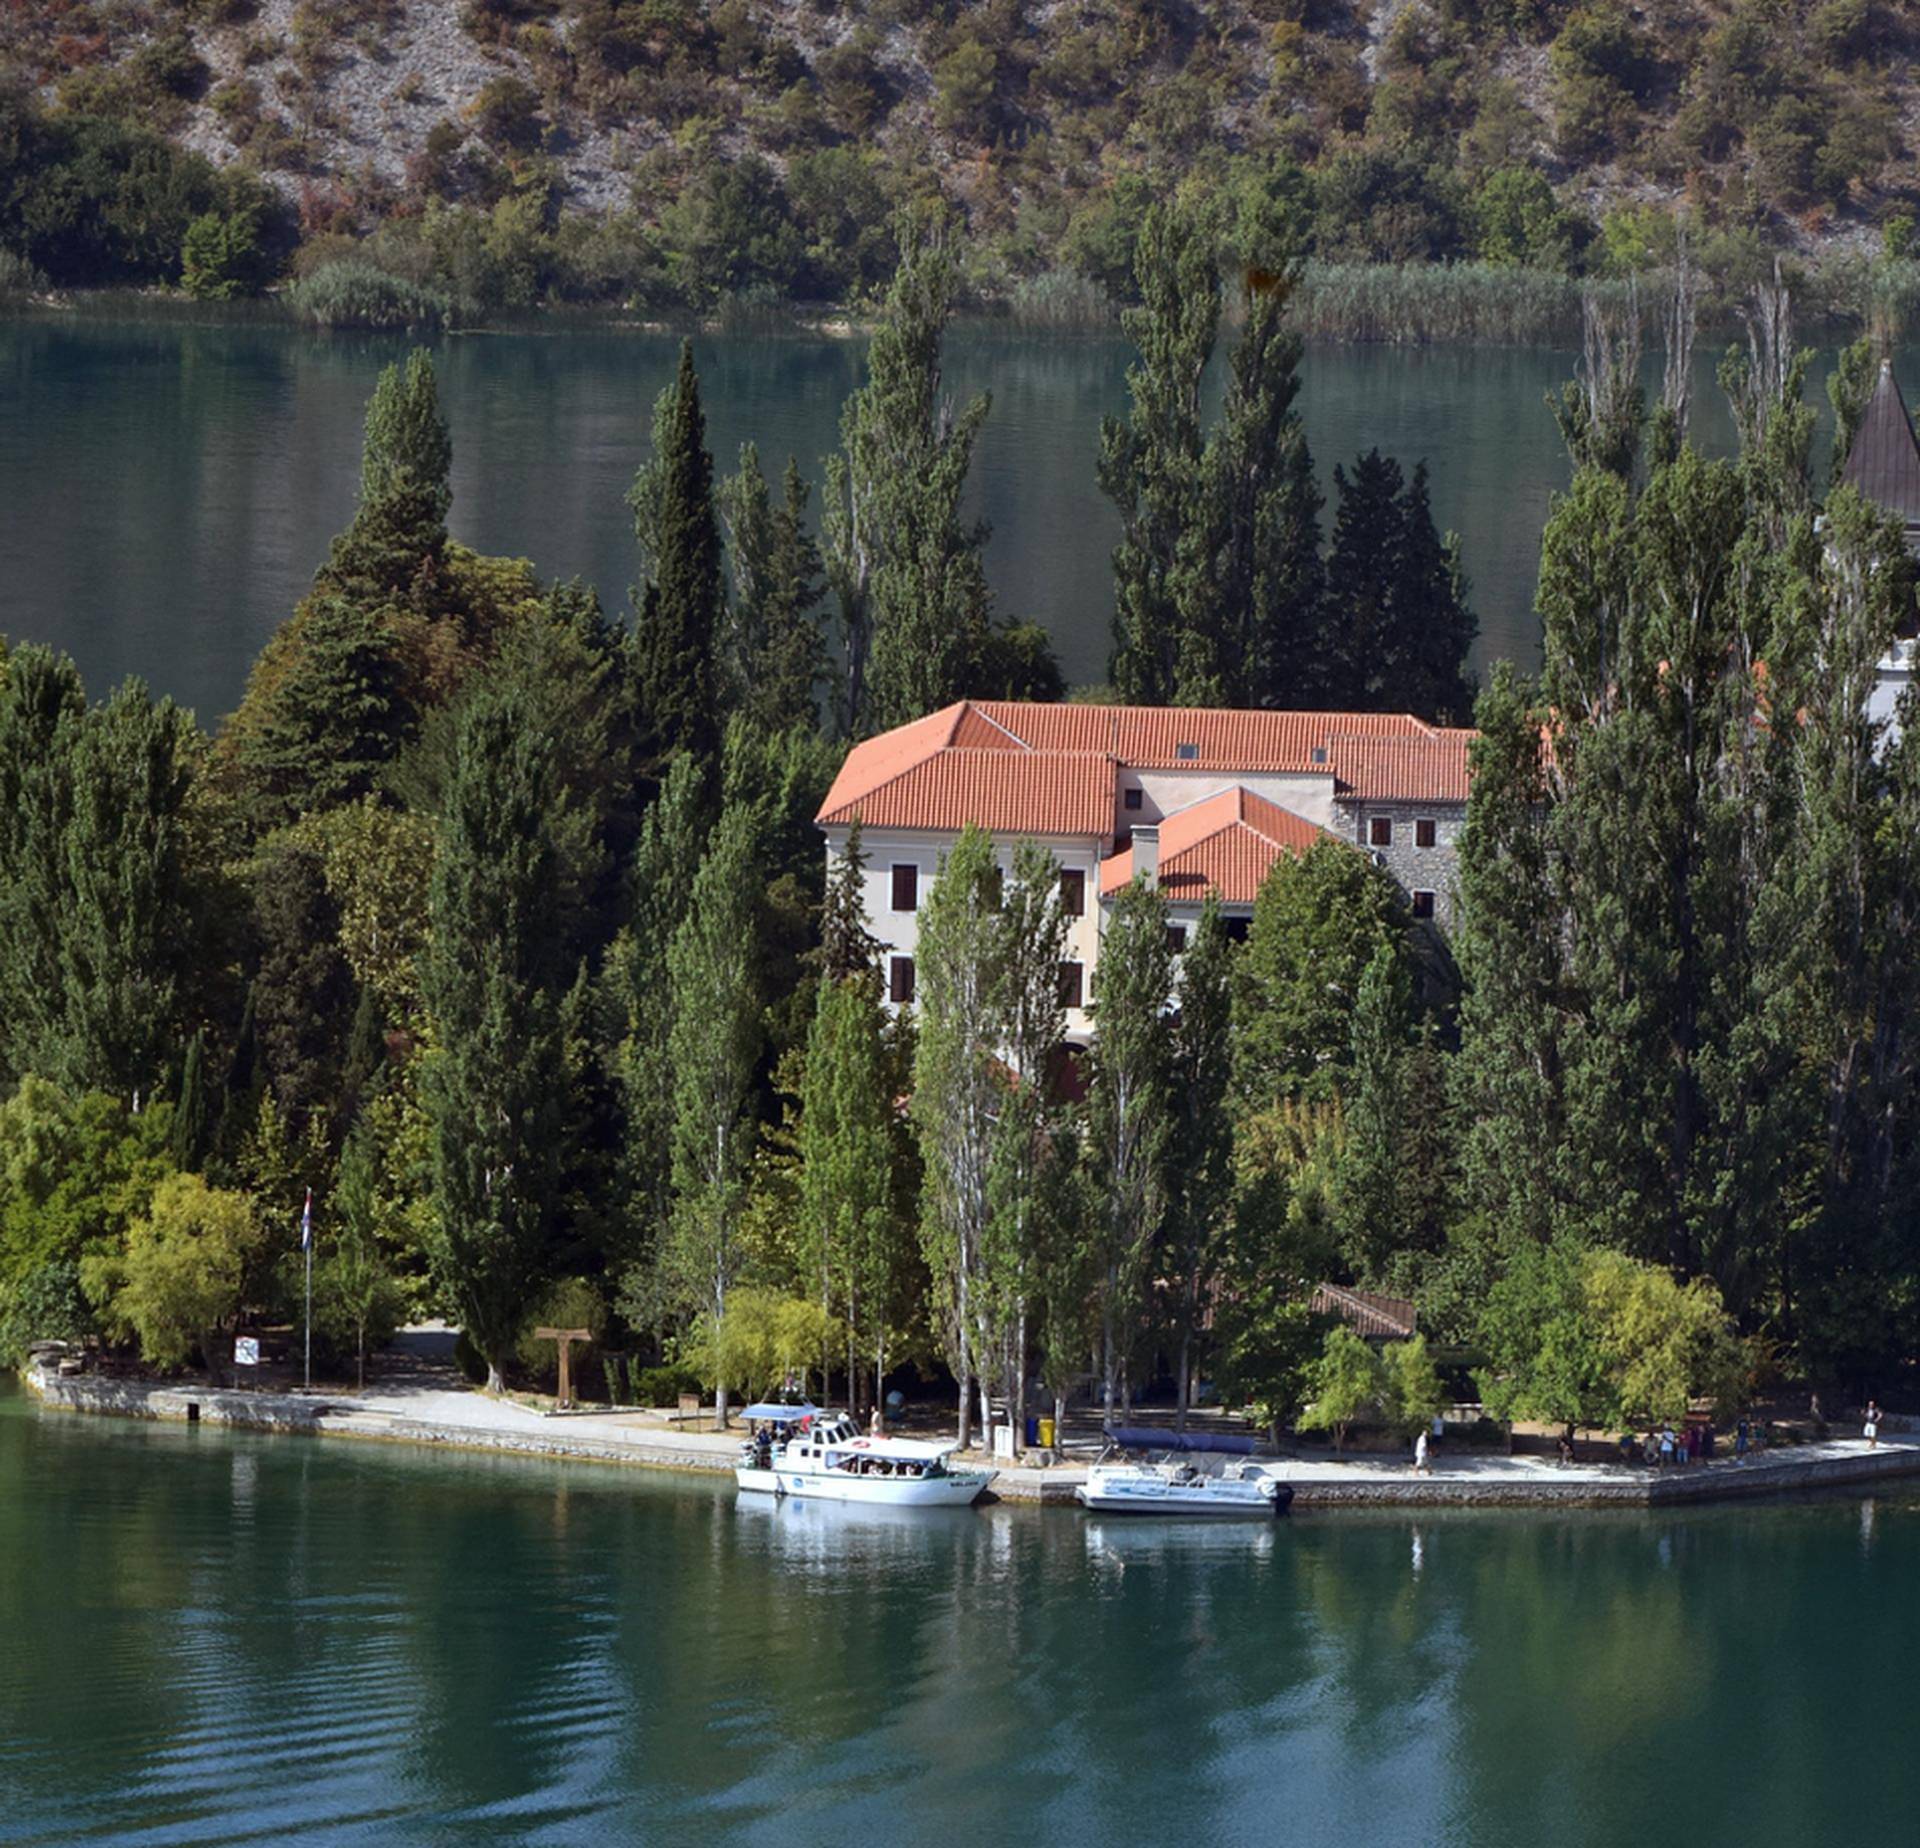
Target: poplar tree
x,y
684,598
1130,1117
957,1090
1032,1027
847,1209
771,656
1200,1171
493,980
713,1049
1150,464
906,570
394,550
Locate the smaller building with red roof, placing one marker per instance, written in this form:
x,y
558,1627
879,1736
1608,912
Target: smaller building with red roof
x,y
1199,801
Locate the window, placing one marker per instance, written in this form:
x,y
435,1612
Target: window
x,y
1073,894
900,980
1176,938
1423,904
1238,929
1186,753
1379,832
906,888
1070,984
1131,798
1319,753
1424,834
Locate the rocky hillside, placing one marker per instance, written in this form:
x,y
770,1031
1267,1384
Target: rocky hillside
x,y
747,144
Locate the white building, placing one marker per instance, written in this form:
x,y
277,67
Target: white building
x,y
1204,800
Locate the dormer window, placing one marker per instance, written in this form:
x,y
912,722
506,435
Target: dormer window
x,y
1186,753
1319,753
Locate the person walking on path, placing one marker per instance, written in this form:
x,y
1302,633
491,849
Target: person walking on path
x,y
1740,1442
1873,1424
1420,1464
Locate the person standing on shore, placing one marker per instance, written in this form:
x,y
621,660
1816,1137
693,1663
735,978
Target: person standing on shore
x,y
1420,1464
1873,1424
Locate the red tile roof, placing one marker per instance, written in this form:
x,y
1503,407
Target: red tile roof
x,y
1225,843
1366,1312
1011,766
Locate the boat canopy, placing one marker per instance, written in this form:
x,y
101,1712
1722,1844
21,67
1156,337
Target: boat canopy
x,y
780,1414
1143,1437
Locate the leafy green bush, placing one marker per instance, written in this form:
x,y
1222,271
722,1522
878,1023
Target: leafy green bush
x,y
224,254
46,1304
18,277
1517,222
654,1386
507,113
349,293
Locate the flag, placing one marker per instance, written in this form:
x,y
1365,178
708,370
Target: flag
x,y
306,1223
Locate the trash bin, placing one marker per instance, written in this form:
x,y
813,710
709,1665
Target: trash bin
x,y
1033,1432
1045,1438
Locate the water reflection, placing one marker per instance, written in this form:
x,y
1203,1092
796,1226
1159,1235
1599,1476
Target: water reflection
x,y
208,1636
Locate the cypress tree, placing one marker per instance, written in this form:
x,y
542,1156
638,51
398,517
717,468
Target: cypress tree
x,y
42,704
713,1048
394,551
127,908
302,987
189,1141
681,607
847,947
1370,1206
493,982
772,657
906,570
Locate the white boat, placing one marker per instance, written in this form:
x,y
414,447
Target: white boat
x,y
804,1451
1170,1487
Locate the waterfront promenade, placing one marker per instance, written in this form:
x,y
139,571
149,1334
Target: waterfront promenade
x,y
424,1408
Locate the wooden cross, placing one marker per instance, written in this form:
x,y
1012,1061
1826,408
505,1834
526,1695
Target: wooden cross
x,y
565,1337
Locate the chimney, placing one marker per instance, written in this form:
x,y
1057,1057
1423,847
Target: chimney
x,y
1146,854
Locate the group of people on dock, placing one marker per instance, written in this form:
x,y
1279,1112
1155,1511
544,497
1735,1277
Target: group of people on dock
x,y
1694,1441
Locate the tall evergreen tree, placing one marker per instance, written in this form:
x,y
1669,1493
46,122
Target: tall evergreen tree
x,y
302,987
127,909
191,1138
713,1048
1200,1171
42,703
673,838
1371,1215
1398,625
684,598
394,551
771,656
906,570
494,981
1130,1118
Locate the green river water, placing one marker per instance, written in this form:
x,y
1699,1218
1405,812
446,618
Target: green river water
x,y
207,1637
166,491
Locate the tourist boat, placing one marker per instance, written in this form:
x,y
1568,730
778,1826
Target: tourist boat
x,y
802,1450
1165,1486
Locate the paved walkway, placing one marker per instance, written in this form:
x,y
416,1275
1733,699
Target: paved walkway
x,y
421,1405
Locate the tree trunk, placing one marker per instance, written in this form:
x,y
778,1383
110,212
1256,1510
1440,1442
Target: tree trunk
x,y
720,1406
1186,1379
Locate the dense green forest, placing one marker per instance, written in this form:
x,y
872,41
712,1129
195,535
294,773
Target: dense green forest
x,y
407,160
502,925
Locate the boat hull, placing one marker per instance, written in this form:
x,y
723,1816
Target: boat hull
x,y
1171,1501
955,1490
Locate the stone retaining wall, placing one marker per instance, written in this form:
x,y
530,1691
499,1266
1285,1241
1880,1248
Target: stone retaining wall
x,y
1774,1474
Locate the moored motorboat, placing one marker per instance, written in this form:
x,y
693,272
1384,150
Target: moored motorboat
x,y
803,1451
1168,1483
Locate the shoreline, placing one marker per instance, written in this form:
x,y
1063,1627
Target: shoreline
x,y
505,1429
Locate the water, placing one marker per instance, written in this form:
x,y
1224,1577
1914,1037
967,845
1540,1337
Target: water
x,y
166,492
206,1637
